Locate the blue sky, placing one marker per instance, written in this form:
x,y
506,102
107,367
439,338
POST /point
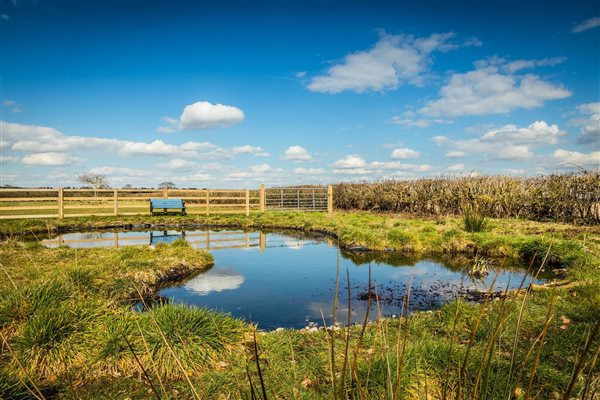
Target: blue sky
x,y
234,94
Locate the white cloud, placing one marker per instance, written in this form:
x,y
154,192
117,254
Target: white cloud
x,y
440,139
394,60
7,159
518,65
538,133
296,153
513,171
510,142
203,115
155,148
120,171
405,152
574,157
49,158
587,24
264,167
247,149
418,123
180,164
382,165
309,171
351,161
590,124
351,171
455,154
12,105
487,90
456,167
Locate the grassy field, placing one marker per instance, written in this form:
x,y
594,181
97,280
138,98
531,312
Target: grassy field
x,y
68,329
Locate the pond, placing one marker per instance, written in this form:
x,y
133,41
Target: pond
x,y
288,278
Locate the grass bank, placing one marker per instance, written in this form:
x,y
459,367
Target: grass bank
x,y
68,330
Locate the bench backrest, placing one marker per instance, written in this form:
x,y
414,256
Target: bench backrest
x,y
167,203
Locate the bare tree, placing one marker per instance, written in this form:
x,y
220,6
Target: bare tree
x,y
95,180
167,185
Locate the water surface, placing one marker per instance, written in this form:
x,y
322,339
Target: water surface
x,y
288,279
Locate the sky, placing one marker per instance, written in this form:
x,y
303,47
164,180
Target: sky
x,y
229,94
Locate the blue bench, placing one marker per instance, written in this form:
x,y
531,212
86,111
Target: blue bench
x,y
167,204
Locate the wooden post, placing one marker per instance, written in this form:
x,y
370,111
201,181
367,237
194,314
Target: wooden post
x,y
61,203
262,240
262,198
116,201
329,199
165,193
247,202
207,201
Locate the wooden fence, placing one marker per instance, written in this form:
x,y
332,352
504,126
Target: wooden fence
x,y
62,203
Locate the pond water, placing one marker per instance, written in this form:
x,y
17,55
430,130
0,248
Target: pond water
x,y
287,279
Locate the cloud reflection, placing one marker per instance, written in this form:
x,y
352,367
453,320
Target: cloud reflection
x,y
215,281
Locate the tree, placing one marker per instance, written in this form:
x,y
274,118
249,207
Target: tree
x,y
95,180
128,186
167,185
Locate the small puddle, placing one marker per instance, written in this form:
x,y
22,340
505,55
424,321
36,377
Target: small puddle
x,y
287,279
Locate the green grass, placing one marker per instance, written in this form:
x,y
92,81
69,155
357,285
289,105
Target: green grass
x,y
65,316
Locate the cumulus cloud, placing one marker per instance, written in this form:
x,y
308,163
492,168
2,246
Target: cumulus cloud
x,y
440,139
456,167
49,158
350,161
296,153
394,60
180,164
203,115
574,157
40,139
490,90
455,154
509,142
379,165
405,152
587,24
253,150
309,171
120,171
590,124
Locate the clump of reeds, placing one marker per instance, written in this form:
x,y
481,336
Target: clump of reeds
x,y
474,219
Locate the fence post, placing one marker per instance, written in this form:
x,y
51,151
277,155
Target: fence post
x,y
165,193
116,201
207,201
330,199
61,205
247,202
262,197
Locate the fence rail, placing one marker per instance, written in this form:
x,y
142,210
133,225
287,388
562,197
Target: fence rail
x,y
62,203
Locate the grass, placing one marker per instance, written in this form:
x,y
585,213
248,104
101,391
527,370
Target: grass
x,y
68,330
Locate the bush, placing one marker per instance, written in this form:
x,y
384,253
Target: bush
x,y
572,197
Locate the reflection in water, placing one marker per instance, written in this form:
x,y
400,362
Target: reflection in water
x,y
288,279
214,281
166,237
